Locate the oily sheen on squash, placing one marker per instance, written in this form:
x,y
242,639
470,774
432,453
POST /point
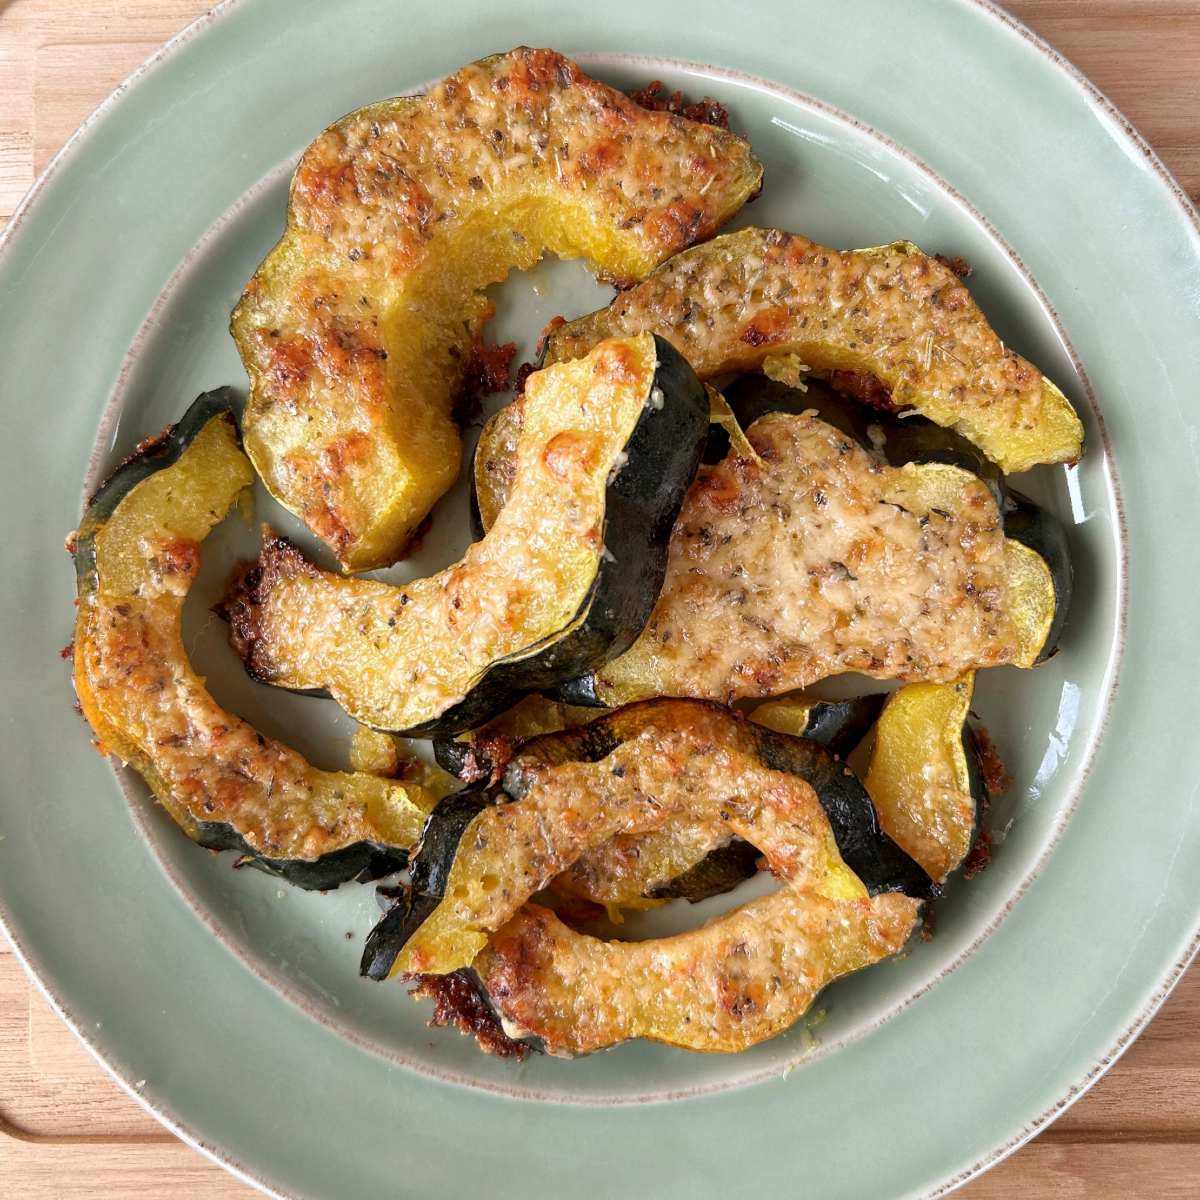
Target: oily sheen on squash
x,y
357,329
565,578
921,780
137,553
816,558
692,858
891,312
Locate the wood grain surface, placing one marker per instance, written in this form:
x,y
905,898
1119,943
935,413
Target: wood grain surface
x,y
67,1130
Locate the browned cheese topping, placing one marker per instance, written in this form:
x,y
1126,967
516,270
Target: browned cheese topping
x,y
511,851
736,981
890,313
395,657
357,330
818,558
146,704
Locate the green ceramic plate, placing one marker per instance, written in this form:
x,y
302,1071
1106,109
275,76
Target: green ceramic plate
x,y
232,1008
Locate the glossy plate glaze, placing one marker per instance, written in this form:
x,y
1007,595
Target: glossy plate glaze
x,y
231,1006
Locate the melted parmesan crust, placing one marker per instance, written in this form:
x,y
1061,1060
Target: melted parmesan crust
x,y
396,657
736,981
815,559
147,706
511,851
357,329
891,312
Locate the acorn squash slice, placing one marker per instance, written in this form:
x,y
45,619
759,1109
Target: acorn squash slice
x,y
744,298
357,329
901,438
905,573
228,787
630,772
691,859
921,778
736,981
565,578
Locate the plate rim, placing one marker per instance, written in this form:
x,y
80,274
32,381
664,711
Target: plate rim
x,y
1125,129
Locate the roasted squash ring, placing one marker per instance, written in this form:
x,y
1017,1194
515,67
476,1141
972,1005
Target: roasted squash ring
x,y
565,578
921,781
357,329
736,981
630,772
229,788
815,559
890,311
693,859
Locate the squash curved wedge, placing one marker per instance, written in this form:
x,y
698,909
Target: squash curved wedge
x,y
736,981
905,573
357,330
735,302
921,778
905,438
229,788
565,578
630,772
691,859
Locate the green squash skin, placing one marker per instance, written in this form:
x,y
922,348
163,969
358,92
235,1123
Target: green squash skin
x,y
919,440
718,872
838,725
865,848
906,439
642,503
429,863
360,862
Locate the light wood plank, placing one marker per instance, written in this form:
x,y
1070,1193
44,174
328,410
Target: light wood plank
x,y
1047,1171
30,1172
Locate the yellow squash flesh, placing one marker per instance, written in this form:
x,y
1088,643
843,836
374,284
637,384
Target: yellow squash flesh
x,y
148,707
400,658
358,328
918,779
744,298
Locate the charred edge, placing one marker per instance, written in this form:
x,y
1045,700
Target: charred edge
x,y
707,111
249,586
461,1000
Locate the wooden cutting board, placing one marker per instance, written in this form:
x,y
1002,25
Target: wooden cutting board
x,y
66,1130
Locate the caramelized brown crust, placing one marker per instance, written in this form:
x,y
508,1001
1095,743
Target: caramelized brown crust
x,y
704,768
147,705
736,981
357,329
817,558
891,313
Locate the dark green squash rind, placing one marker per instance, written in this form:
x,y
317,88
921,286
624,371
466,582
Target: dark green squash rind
x,y
642,503
840,725
718,872
152,456
430,861
360,862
